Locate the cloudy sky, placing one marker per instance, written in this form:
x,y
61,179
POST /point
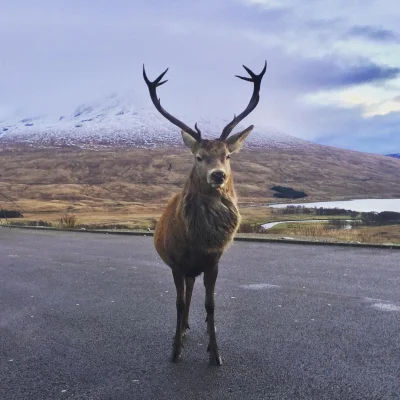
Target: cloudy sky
x,y
333,65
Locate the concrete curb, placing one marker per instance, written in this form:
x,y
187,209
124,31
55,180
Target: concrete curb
x,y
238,238
320,243
105,231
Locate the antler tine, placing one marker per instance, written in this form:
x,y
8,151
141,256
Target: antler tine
x,y
156,101
197,129
256,79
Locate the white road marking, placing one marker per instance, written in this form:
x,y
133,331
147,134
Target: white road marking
x,y
386,307
258,286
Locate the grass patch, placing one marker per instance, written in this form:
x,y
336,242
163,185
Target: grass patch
x,y
27,223
367,234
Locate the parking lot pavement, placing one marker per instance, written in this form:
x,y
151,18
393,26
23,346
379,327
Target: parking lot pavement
x,y
92,316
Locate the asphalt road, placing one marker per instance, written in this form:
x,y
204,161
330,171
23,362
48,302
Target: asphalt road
x,y
91,316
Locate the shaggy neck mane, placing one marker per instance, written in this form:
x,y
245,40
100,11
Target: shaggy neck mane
x,y
210,216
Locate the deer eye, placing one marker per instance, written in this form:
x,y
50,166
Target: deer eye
x,y
199,159
228,156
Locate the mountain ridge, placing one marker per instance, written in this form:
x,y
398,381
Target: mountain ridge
x,y
117,120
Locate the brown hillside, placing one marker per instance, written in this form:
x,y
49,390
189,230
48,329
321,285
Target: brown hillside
x,y
54,179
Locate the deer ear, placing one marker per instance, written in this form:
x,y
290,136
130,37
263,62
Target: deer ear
x,y
189,141
236,141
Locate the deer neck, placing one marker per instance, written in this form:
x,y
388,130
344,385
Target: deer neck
x,y
210,216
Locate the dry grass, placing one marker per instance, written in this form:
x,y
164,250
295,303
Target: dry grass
x,y
256,215
91,213
375,234
68,221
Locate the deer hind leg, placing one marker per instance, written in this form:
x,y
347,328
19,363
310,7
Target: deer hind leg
x,y
189,283
210,277
180,306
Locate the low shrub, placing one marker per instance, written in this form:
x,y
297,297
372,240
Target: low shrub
x,y
10,214
68,221
153,224
246,227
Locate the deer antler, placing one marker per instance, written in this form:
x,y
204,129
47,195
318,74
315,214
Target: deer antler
x,y
256,79
156,101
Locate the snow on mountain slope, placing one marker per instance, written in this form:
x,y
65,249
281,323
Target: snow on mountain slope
x,y
117,121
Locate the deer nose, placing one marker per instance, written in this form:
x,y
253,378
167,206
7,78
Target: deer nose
x,y
218,176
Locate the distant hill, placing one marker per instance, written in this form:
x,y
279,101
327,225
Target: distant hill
x,y
396,155
142,175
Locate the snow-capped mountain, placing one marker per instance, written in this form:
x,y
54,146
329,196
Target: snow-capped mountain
x,y
396,155
118,121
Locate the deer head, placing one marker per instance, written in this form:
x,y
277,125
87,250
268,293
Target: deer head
x,y
212,156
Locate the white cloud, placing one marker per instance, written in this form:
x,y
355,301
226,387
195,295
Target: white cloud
x,y
370,101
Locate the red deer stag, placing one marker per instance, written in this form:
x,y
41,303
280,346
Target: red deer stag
x,y
199,223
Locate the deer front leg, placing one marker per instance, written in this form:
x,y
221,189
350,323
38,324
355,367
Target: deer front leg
x,y
180,306
210,277
189,283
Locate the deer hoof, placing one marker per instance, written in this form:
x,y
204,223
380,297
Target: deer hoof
x,y
214,358
176,356
185,329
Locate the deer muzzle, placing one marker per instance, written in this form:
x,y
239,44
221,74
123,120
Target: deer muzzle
x,y
217,178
